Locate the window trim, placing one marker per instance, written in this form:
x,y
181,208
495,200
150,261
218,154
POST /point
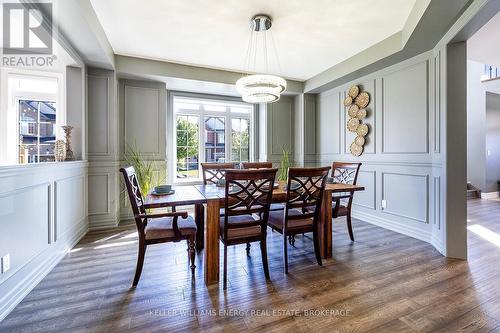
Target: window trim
x,y
8,105
228,115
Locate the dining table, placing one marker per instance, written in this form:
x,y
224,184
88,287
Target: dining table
x,y
209,199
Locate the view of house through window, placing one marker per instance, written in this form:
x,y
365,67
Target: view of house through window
x,y
37,131
213,131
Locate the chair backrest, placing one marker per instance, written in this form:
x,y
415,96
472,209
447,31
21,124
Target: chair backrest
x,y
257,165
345,172
248,192
305,189
134,193
213,172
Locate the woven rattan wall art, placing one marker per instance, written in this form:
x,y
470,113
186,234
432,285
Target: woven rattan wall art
x,y
355,103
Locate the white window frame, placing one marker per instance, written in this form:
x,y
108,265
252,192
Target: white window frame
x,y
9,108
201,114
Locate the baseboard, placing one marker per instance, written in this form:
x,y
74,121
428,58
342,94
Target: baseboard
x,y
490,195
404,229
103,224
27,284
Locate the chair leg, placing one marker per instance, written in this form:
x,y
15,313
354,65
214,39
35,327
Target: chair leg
x,y
263,251
285,253
248,249
291,240
192,252
140,261
349,226
316,247
224,283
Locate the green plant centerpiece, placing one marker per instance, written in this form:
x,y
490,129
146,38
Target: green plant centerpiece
x,y
284,164
143,168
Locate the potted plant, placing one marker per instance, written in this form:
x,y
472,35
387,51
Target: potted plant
x,y
284,164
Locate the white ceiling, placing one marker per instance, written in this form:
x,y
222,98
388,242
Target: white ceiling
x,y
484,45
310,36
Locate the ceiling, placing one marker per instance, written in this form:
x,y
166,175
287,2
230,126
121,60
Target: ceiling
x,y
310,36
484,45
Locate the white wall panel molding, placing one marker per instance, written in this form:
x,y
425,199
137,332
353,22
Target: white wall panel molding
x,y
100,116
407,195
43,205
367,198
405,110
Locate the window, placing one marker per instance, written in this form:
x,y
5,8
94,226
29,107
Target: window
x,y
37,131
31,115
187,146
213,131
240,139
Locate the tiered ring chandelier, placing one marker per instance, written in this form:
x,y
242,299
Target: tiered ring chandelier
x,y
260,88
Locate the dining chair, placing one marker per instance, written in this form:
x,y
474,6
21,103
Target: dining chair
x,y
256,165
157,228
263,165
213,172
344,173
247,199
304,195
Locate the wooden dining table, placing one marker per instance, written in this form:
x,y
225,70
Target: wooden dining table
x,y
212,197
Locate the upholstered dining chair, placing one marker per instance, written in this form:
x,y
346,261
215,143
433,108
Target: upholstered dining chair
x,y
213,172
344,173
157,228
263,165
247,200
304,196
256,165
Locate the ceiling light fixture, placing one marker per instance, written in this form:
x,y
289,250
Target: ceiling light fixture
x,y
260,88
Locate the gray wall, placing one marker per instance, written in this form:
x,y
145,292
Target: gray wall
x,y
492,142
476,126
103,149
402,161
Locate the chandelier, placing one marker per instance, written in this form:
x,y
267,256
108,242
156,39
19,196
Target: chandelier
x,y
260,88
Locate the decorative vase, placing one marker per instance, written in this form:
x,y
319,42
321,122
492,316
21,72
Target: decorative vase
x,y
60,150
69,152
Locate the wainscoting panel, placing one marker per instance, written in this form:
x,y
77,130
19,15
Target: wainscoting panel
x,y
328,123
144,114
99,200
25,215
405,110
367,198
406,195
70,203
280,129
44,206
98,116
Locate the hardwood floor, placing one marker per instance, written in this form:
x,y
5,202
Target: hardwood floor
x,y
383,282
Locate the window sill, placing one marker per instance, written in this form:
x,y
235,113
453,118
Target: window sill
x,y
39,167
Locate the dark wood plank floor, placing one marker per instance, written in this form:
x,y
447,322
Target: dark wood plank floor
x,y
384,282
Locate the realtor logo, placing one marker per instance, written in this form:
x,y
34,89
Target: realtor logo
x,y
27,29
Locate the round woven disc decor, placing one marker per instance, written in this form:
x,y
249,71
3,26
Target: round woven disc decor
x,y
356,102
362,129
354,91
356,150
353,124
363,100
348,101
353,111
361,114
360,140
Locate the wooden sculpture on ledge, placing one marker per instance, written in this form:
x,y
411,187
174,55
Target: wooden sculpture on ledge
x,y
69,152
